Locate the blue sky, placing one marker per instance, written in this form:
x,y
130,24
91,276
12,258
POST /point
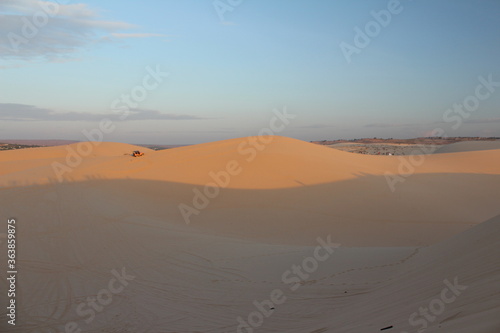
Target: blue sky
x,y
228,70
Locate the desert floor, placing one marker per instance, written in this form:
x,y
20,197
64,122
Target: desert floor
x,y
258,234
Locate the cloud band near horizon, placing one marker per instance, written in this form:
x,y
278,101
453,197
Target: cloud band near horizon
x,y
24,112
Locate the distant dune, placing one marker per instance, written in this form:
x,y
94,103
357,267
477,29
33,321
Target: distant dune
x,y
254,212
469,146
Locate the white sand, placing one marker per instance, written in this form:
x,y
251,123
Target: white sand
x,y
117,211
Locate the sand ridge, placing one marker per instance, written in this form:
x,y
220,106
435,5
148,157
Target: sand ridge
x,y
281,163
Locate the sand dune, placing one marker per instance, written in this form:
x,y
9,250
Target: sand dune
x,y
281,163
114,212
307,187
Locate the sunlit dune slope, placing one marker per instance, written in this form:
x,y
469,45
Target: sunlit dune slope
x,y
253,163
286,162
43,165
84,149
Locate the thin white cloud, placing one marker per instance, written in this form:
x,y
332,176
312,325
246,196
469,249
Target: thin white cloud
x,y
135,35
49,7
482,121
23,112
384,125
316,126
465,121
58,32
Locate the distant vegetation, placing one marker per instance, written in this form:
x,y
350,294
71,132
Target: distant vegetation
x,y
9,146
420,141
161,147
